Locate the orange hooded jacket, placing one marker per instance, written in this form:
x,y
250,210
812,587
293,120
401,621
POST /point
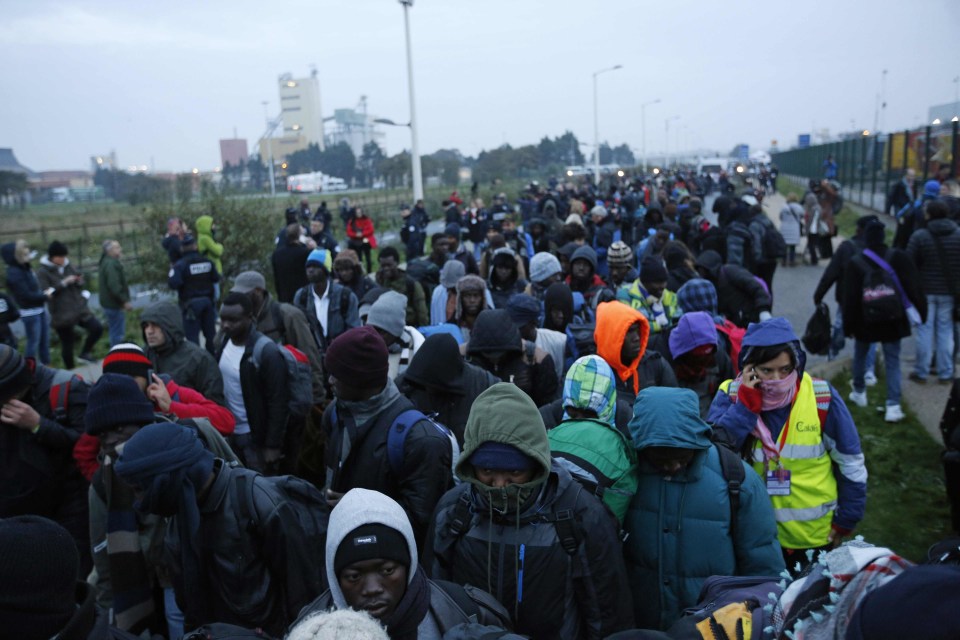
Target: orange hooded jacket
x,y
614,319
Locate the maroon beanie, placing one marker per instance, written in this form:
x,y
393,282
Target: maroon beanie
x,y
358,357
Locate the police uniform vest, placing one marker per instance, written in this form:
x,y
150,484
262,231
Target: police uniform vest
x,y
805,515
198,274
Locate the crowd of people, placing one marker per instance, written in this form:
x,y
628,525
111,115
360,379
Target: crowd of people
x,y
564,421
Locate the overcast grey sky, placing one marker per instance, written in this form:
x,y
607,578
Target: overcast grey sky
x,y
168,79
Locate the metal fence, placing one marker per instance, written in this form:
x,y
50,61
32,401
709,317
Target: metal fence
x,y
867,166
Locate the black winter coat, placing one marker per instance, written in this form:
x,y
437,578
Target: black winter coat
x,y
923,251
583,595
258,574
37,471
264,392
289,269
853,324
835,271
360,460
740,296
451,405
21,280
653,371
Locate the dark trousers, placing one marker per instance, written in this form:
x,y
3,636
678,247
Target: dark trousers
x,y
67,338
363,252
826,246
813,240
199,315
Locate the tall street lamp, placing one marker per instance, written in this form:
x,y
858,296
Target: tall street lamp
x,y
414,148
643,127
596,125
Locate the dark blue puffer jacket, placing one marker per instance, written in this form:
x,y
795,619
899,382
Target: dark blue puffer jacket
x,y
21,280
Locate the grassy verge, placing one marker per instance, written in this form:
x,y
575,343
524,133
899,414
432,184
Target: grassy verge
x,y
846,220
907,508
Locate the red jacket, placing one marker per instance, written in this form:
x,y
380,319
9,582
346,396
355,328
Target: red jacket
x,y
360,228
185,403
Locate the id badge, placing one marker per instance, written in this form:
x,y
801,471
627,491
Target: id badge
x,y
778,482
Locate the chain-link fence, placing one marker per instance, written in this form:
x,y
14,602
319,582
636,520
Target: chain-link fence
x,y
869,165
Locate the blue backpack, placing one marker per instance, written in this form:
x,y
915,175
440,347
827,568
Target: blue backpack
x,y
397,437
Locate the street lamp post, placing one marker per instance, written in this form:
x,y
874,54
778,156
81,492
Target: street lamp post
x,y
596,125
414,148
643,128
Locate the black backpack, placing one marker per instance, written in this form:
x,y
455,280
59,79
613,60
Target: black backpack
x,y
816,338
880,296
774,247
426,272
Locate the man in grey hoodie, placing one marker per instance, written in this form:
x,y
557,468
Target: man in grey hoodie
x,y
373,566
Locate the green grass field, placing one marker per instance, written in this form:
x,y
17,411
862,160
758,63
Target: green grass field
x,y
907,508
846,220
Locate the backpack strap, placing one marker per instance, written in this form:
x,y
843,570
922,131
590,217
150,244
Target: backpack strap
x,y
461,516
397,437
242,490
60,394
732,468
258,348
823,394
460,600
278,320
564,519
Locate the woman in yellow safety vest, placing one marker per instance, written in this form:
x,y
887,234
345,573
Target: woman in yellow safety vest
x,y
798,435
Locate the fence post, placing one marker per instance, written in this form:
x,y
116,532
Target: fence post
x,y
906,150
926,155
873,170
888,170
862,168
955,165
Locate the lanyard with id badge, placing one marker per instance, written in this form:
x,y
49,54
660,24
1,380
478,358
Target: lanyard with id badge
x,y
777,478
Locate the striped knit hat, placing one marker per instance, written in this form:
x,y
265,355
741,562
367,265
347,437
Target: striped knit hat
x,y
619,253
127,359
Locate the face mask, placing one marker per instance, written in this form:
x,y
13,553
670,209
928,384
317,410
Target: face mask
x,y
509,498
778,393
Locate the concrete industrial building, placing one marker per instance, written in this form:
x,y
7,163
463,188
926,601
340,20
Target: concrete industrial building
x,y
301,118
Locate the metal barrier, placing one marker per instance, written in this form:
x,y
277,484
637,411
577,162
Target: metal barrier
x,y
869,165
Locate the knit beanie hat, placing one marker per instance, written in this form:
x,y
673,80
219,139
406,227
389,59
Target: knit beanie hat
x,y
875,234
452,230
127,359
653,271
346,258
619,253
504,256
500,456
14,373
543,265
39,564
370,542
931,189
452,271
574,218
366,302
598,211
116,401
358,357
56,249
321,257
389,313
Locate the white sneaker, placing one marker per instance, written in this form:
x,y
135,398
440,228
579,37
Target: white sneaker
x,y
858,398
893,414
870,379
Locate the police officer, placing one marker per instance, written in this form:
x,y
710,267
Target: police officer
x,y
193,276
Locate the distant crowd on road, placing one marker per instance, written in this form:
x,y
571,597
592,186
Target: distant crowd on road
x,y
576,416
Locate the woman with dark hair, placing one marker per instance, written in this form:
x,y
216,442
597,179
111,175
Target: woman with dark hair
x,y
797,433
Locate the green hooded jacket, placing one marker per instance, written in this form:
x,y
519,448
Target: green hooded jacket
x,y
551,592
206,245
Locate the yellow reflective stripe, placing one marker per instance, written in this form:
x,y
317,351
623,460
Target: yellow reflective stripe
x,y
795,452
810,513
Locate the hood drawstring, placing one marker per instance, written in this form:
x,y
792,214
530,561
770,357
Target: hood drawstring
x,y
489,544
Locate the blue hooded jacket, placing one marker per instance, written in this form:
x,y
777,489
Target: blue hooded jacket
x,y
840,436
679,526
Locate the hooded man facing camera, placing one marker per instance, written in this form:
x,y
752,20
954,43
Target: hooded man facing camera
x,y
172,354
373,566
521,527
